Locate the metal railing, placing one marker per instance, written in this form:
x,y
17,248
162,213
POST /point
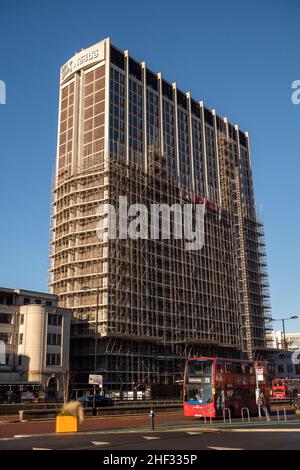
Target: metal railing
x,y
210,417
278,414
229,414
247,411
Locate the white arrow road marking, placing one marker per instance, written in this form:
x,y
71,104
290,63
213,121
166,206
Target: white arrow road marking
x,y
193,433
99,443
224,448
150,438
40,448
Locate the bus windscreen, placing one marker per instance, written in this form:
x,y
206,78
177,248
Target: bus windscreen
x,y
199,379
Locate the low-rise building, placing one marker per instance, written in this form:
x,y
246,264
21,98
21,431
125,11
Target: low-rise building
x,y
35,339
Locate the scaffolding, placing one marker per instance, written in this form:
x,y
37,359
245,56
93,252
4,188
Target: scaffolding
x,y
158,302
250,252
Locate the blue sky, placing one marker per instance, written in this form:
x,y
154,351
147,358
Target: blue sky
x,y
239,57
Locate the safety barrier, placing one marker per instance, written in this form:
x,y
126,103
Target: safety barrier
x,y
131,408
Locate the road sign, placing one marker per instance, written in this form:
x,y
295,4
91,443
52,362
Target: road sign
x,y
260,374
96,380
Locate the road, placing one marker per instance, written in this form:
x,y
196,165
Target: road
x,y
130,433
234,439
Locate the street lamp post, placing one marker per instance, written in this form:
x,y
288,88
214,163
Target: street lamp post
x,y
283,320
95,351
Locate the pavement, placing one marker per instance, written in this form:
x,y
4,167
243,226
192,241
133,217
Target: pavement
x,y
172,432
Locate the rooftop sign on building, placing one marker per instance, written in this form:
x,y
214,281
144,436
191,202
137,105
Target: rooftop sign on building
x,y
82,59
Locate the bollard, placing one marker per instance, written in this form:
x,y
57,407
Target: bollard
x,y
248,413
284,414
151,416
229,415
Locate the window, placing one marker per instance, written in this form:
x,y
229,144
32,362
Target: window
x,y
21,338
22,319
54,320
280,369
53,339
117,57
26,301
48,303
5,337
38,301
5,318
53,359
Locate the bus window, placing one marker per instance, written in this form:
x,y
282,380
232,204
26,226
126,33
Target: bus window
x,y
200,368
199,394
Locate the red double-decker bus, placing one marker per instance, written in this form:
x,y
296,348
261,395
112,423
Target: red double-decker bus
x,y
212,384
285,388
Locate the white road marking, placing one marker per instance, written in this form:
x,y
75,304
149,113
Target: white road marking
x,y
150,438
100,443
224,448
40,448
264,430
193,433
19,436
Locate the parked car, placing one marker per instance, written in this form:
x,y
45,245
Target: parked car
x,y
87,400
27,397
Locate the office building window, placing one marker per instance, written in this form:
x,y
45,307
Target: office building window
x,y
53,359
55,320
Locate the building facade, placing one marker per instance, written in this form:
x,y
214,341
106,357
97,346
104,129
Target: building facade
x,y
125,131
275,340
35,337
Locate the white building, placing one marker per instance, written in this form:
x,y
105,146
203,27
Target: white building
x,y
284,363
274,339
293,341
35,334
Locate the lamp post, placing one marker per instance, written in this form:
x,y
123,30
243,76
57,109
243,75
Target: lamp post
x,y
283,320
95,351
94,411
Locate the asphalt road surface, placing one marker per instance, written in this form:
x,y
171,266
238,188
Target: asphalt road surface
x,y
277,436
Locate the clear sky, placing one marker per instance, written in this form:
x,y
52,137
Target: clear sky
x,y
240,57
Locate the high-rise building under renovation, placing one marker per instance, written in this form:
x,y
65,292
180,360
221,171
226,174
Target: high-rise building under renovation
x,y
125,131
